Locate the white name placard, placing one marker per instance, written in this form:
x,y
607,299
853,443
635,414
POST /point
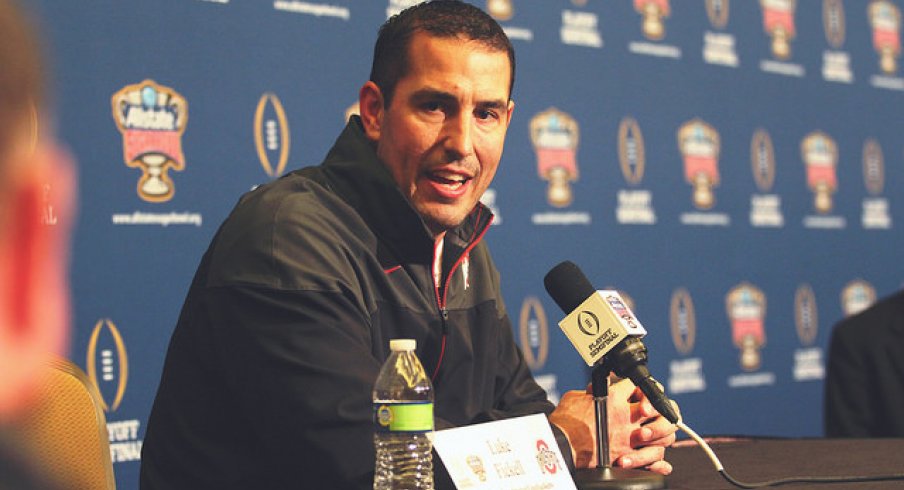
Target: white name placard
x,y
512,454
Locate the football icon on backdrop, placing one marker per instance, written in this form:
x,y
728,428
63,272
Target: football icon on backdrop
x,y
699,146
885,19
108,363
151,118
555,136
820,156
271,135
533,333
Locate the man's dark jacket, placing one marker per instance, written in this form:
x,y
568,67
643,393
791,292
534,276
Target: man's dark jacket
x,y
864,385
268,376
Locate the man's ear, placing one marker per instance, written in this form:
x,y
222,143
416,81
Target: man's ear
x,y
370,105
34,288
508,112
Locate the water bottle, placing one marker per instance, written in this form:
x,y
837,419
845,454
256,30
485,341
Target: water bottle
x,y
403,421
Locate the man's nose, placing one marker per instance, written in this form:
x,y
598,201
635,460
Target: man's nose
x,y
458,138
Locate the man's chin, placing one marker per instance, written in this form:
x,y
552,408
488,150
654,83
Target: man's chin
x,y
440,222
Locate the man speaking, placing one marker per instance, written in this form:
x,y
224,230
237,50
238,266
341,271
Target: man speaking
x,y
268,376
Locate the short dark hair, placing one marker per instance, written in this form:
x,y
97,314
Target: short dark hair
x,y
437,18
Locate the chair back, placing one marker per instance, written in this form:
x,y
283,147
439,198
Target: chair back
x,y
66,430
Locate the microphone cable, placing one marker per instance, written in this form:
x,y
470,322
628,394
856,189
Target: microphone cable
x,y
783,481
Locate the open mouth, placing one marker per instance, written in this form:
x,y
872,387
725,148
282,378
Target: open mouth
x,y
451,180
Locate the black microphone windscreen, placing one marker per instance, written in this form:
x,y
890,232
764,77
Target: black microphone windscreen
x,y
568,286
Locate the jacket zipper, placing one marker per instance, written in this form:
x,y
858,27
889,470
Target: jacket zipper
x,y
441,301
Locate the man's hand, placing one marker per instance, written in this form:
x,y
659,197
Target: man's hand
x,y
638,435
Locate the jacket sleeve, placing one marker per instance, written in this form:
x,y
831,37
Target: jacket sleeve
x,y
847,386
302,368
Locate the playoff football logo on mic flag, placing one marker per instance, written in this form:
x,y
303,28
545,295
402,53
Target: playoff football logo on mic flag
x,y
820,155
885,19
778,22
653,12
746,307
699,146
151,118
554,135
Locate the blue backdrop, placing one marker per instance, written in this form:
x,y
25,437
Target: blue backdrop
x,y
732,167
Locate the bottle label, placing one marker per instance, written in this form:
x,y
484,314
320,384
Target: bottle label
x,y
403,417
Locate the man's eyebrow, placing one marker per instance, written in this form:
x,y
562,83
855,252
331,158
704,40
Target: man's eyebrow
x,y
443,96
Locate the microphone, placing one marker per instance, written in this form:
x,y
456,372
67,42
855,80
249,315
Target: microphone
x,y
604,330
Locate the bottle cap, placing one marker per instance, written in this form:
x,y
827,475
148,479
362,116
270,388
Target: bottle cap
x,y
402,344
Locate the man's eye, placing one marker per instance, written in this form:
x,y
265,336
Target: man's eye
x,y
432,106
485,114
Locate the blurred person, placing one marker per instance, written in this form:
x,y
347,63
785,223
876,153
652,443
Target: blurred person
x,y
34,312
864,386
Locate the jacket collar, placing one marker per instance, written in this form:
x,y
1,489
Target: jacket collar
x,y
360,179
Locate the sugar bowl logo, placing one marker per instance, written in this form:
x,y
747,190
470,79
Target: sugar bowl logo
x,y
555,136
885,19
271,135
699,146
875,207
475,464
778,22
685,374
534,333
746,307
857,296
653,13
151,118
634,205
808,363
501,9
546,458
352,110
820,156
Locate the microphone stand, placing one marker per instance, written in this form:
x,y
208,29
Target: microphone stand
x,y
604,476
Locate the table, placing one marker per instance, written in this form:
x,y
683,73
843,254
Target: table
x,y
753,460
